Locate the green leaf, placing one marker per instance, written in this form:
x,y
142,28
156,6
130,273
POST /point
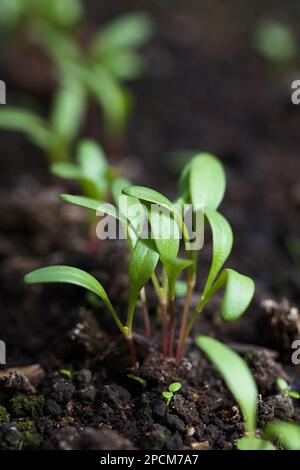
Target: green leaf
x,y
288,434
114,99
66,170
126,32
173,267
117,187
124,65
68,109
282,384
70,275
174,387
167,395
143,261
130,208
148,195
236,375
254,443
183,192
222,244
67,373
165,231
83,201
294,394
91,159
29,123
239,291
207,181
93,164
93,204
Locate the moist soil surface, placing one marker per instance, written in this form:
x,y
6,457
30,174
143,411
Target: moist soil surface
x,y
206,89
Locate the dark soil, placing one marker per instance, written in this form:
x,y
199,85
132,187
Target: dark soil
x,y
207,89
101,407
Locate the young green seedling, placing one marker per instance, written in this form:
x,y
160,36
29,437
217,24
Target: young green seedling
x,y
168,394
203,184
240,381
98,71
284,387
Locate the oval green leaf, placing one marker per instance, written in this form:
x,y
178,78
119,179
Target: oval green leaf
x,y
222,244
239,291
207,181
175,387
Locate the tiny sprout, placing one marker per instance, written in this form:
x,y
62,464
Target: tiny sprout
x,y
284,387
138,379
168,394
67,373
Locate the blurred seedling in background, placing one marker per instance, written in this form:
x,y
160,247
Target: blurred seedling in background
x,y
173,388
275,41
286,389
202,184
97,70
94,175
240,381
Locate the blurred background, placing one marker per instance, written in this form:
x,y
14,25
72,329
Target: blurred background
x,y
174,79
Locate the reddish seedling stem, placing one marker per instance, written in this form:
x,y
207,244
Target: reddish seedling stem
x,y
164,339
131,348
172,326
146,314
183,323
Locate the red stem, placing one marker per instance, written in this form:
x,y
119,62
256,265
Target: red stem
x,y
172,327
164,339
146,315
183,323
131,348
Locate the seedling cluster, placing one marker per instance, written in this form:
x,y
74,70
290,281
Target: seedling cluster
x,y
156,259
98,70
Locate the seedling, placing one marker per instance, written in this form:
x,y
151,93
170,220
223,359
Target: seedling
x,y
168,394
275,41
203,184
241,383
138,379
91,170
67,373
98,71
284,387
